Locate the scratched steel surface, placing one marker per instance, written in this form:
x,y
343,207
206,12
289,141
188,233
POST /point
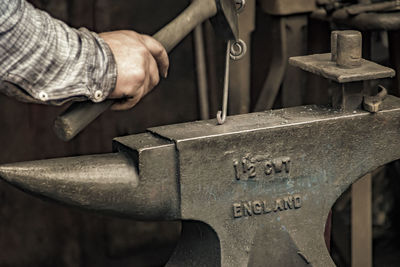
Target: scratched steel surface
x,y
271,160
255,191
321,64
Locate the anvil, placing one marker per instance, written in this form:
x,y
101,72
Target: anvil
x,y
255,191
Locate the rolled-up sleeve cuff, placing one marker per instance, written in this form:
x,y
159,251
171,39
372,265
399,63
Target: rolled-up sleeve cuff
x,y
50,61
104,71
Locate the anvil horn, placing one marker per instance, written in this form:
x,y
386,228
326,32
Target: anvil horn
x,y
107,182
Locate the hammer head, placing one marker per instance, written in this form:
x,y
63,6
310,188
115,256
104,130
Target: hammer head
x,y
226,22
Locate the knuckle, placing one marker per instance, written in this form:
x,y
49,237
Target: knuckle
x,y
143,51
139,75
159,51
144,36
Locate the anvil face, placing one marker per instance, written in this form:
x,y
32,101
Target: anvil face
x,y
255,191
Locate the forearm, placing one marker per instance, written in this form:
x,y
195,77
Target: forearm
x,y
50,61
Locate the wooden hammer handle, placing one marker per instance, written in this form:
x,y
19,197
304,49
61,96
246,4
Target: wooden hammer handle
x,y
79,115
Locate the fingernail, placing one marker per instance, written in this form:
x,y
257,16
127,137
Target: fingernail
x,y
165,75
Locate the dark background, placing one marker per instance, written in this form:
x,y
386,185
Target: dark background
x,y
38,233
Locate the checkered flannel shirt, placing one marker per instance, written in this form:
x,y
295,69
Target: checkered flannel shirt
x,y
42,60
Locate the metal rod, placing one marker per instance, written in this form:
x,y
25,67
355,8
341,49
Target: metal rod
x,y
221,115
394,44
201,72
358,9
361,223
274,79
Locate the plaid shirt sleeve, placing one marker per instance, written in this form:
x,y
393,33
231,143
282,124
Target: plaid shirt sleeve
x,y
43,60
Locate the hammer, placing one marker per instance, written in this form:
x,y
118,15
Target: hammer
x,y
224,20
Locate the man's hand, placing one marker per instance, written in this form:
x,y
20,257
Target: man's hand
x,y
140,61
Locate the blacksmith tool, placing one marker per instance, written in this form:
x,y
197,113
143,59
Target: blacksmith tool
x,y
346,69
287,24
350,90
224,18
373,7
221,115
255,191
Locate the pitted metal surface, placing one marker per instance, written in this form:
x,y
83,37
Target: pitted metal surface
x,y
321,64
255,191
